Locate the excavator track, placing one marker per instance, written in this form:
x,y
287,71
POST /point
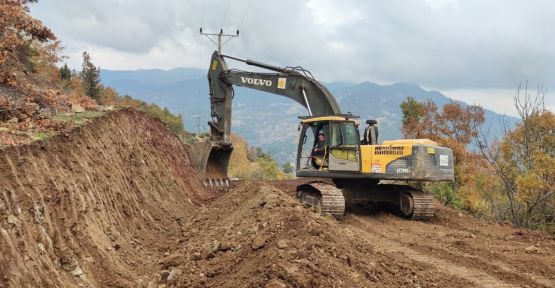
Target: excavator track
x,y
417,205
327,198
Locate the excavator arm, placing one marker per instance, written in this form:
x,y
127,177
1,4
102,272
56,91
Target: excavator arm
x,y
212,157
294,83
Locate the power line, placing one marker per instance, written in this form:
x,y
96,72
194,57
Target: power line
x,y
201,47
202,14
245,15
221,34
241,23
225,14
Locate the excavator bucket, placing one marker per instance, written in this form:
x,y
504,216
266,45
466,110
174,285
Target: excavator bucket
x,y
212,160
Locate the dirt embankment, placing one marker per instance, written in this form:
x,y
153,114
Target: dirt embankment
x,y
116,204
96,203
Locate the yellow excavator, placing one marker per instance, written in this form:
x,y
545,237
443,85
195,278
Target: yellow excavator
x,y
361,170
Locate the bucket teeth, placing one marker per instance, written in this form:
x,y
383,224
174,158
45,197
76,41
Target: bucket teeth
x,y
221,182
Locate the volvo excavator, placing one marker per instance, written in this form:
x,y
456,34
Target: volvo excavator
x,y
361,169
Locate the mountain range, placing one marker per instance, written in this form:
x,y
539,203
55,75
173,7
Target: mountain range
x,y
270,121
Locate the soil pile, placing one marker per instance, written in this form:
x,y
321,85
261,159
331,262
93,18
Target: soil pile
x,y
260,236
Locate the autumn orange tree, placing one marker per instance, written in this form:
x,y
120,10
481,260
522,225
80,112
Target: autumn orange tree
x,y
455,126
29,55
524,160
18,30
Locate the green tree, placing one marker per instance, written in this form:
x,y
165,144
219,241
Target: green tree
x,y
269,170
260,154
413,113
65,73
90,76
287,168
174,122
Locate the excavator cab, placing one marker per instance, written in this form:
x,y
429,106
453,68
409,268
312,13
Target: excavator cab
x,y
315,145
341,146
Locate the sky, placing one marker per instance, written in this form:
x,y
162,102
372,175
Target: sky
x,y
471,50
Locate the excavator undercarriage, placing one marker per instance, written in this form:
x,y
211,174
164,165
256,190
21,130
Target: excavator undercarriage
x,y
325,197
333,198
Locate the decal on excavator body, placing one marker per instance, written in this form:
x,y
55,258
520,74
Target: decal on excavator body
x,y
256,81
281,83
443,160
403,170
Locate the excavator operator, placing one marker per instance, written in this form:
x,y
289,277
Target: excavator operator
x,y
320,152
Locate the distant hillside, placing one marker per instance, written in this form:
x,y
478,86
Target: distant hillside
x,y
270,121
151,76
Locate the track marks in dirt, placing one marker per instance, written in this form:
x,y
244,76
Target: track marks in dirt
x,y
487,253
479,278
475,266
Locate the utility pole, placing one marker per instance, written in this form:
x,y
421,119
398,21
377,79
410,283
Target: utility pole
x,y
198,123
218,42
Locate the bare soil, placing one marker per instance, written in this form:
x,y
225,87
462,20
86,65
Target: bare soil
x,y
115,203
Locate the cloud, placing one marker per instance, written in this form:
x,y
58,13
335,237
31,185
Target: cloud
x,y
442,4
442,44
498,100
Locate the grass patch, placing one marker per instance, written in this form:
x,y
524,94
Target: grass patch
x,y
40,136
78,118
446,194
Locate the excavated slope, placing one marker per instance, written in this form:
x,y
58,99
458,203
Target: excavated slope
x,y
96,203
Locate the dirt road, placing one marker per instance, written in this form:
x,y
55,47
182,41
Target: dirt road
x,y
482,253
116,204
486,255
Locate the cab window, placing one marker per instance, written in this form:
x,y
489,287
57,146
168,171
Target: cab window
x,y
343,134
350,134
336,139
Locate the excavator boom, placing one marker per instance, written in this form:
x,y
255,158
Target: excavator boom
x,y
212,157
